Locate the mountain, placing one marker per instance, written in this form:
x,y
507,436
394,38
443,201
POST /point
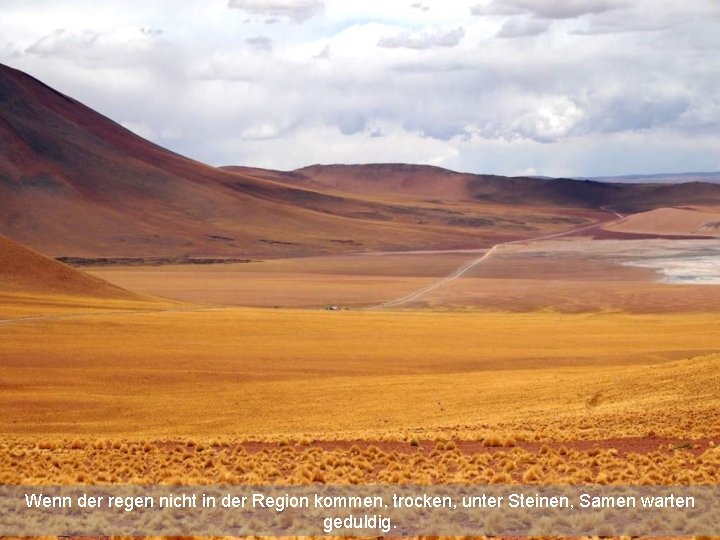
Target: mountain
x,y
662,178
423,181
74,183
25,271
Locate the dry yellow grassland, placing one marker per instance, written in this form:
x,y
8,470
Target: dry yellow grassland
x,y
21,305
105,461
248,396
255,374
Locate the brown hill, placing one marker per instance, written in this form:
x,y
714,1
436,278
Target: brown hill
x,y
380,179
23,270
664,178
427,182
684,221
75,183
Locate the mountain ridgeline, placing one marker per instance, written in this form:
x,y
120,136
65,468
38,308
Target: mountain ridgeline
x,y
75,183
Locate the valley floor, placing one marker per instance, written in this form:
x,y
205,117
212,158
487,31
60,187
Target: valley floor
x,y
572,274
552,362
262,374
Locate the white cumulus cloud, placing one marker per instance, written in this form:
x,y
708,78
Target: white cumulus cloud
x,y
423,40
297,10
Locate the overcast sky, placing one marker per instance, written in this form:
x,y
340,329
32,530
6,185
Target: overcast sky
x,y
551,87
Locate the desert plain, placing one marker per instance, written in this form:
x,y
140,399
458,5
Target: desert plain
x,y
549,361
164,321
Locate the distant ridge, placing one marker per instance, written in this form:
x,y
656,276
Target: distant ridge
x,y
428,181
664,178
74,183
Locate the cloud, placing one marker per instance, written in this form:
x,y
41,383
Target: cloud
x,y
295,10
630,112
264,131
62,42
260,43
523,27
324,54
349,122
550,122
10,52
644,17
152,31
599,96
420,6
547,9
423,40
127,47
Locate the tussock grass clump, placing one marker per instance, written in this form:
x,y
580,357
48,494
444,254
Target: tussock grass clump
x,y
147,462
493,441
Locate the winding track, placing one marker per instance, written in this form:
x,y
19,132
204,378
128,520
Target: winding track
x,y
459,272
489,253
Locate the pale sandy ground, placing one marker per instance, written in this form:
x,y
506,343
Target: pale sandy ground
x,y
569,274
575,275
353,280
686,220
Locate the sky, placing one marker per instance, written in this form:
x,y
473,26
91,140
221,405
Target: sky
x,y
540,87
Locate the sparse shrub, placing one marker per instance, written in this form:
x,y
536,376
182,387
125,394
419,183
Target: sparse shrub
x,y
492,441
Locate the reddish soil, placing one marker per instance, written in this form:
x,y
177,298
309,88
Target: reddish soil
x,y
600,233
75,183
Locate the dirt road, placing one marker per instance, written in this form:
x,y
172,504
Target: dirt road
x,y
489,253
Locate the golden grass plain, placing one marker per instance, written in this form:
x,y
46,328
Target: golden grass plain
x,y
96,391
136,390
254,374
103,461
256,396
